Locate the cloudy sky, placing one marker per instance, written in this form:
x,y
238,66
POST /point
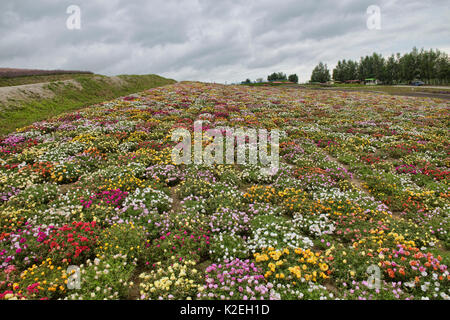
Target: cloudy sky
x,y
213,40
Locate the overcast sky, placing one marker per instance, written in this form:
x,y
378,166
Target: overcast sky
x,y
216,40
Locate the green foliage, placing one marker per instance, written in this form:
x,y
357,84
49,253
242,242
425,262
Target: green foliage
x,y
293,78
320,73
68,97
432,67
21,80
277,76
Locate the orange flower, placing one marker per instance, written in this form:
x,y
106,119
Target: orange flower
x,y
391,273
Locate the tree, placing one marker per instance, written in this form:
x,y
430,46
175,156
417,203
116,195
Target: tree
x,y
320,73
247,81
391,74
293,78
351,72
345,70
432,67
277,76
442,68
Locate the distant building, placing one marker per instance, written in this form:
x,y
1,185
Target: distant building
x,y
371,81
352,81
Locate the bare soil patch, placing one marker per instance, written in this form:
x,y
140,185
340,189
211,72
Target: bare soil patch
x,y
29,91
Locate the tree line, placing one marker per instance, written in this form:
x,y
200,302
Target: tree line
x,y
280,76
431,67
276,76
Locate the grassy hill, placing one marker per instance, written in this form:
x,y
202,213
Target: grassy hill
x,y
17,81
33,101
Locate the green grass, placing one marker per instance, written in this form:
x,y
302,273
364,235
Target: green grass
x,y
17,81
393,90
381,88
68,97
442,92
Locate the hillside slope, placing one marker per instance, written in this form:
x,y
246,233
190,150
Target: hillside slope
x,y
24,104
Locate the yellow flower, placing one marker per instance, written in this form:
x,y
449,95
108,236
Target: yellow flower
x,y
323,266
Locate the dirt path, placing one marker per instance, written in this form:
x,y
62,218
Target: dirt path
x,y
355,181
29,91
444,96
134,292
176,205
361,185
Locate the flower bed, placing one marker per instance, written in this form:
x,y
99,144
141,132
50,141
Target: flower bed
x,y
361,187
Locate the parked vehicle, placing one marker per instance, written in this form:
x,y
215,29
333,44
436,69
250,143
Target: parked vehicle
x,y
417,83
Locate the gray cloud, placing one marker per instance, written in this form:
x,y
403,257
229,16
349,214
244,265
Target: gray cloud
x,y
212,40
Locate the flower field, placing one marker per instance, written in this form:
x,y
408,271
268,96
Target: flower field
x,y
359,208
